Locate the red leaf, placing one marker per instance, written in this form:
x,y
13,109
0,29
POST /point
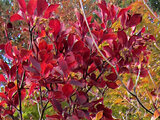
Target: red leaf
x,y
2,95
35,63
8,112
70,59
117,69
108,36
132,40
32,5
5,67
67,90
123,11
31,90
15,99
122,37
143,29
41,6
79,18
82,97
55,25
50,9
9,25
42,45
152,37
123,19
56,105
112,85
79,45
130,84
112,77
2,78
25,54
13,71
71,39
134,20
11,85
15,17
8,49
54,116
73,117
144,72
23,94
92,68
49,47
22,4
77,83
2,103
12,91
104,8
108,51
58,95
2,46
63,65
42,33
48,69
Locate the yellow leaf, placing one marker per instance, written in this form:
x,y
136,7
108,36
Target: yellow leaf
x,y
119,100
141,57
149,95
99,115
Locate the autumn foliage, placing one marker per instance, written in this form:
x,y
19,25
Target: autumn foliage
x,y
63,65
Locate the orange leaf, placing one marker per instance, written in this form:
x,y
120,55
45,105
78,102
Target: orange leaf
x,y
99,115
156,114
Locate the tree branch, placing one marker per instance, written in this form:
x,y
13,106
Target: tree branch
x,y
19,95
31,35
43,110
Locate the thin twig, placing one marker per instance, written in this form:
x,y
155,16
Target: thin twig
x,y
96,80
151,78
40,90
155,44
43,110
150,10
48,107
39,112
139,71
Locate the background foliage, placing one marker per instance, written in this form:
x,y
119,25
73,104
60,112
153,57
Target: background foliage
x,y
123,105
